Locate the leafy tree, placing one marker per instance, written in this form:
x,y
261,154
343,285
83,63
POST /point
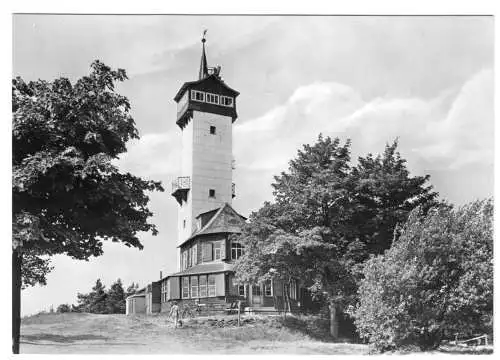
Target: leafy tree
x,y
435,281
327,218
115,300
132,289
68,197
35,269
64,308
83,301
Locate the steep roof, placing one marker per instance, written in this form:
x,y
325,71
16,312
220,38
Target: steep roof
x,y
203,73
209,79
225,220
208,268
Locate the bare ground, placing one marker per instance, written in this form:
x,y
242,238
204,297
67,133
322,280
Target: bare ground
x,y
119,334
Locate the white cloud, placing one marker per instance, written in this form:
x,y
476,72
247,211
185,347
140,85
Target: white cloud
x,y
465,135
451,130
152,154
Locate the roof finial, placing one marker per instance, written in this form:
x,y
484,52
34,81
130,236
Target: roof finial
x,y
203,73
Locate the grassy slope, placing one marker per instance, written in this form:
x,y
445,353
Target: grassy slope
x,y
90,333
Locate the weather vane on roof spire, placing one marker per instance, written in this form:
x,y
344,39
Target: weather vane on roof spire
x,y
204,33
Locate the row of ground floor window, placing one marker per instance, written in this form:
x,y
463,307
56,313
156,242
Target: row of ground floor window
x,y
214,293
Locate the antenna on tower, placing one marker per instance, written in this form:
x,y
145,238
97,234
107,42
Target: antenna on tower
x,y
204,34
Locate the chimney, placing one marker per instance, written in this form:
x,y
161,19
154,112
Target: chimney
x,y
161,275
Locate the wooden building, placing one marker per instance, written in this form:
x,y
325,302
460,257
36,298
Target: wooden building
x,y
136,303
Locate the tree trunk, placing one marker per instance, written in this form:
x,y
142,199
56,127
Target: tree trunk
x,y
16,300
334,323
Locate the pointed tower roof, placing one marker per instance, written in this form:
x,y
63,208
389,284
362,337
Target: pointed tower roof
x,y
203,73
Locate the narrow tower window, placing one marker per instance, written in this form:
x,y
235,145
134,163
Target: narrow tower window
x,y
212,130
211,193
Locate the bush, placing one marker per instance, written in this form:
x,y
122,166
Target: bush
x,y
63,308
436,280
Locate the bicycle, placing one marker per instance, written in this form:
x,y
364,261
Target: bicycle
x,y
187,312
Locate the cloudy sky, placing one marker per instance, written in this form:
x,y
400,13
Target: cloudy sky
x,y
426,80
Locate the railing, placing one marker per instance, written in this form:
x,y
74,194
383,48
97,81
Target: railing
x,y
478,340
233,189
181,183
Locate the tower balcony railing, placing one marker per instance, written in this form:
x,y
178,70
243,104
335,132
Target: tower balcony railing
x,y
180,188
233,190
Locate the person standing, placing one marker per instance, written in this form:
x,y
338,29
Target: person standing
x,y
174,313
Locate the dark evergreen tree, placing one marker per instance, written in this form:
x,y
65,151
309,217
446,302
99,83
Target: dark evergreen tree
x,y
115,300
98,299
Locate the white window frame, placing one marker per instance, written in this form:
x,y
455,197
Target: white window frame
x,y
217,249
244,290
209,100
196,92
236,247
223,101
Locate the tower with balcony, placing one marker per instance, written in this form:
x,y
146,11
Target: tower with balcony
x,y
206,111
208,226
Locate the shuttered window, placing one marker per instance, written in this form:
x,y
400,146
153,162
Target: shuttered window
x,y
194,286
223,249
203,286
173,287
207,251
185,288
211,285
194,254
